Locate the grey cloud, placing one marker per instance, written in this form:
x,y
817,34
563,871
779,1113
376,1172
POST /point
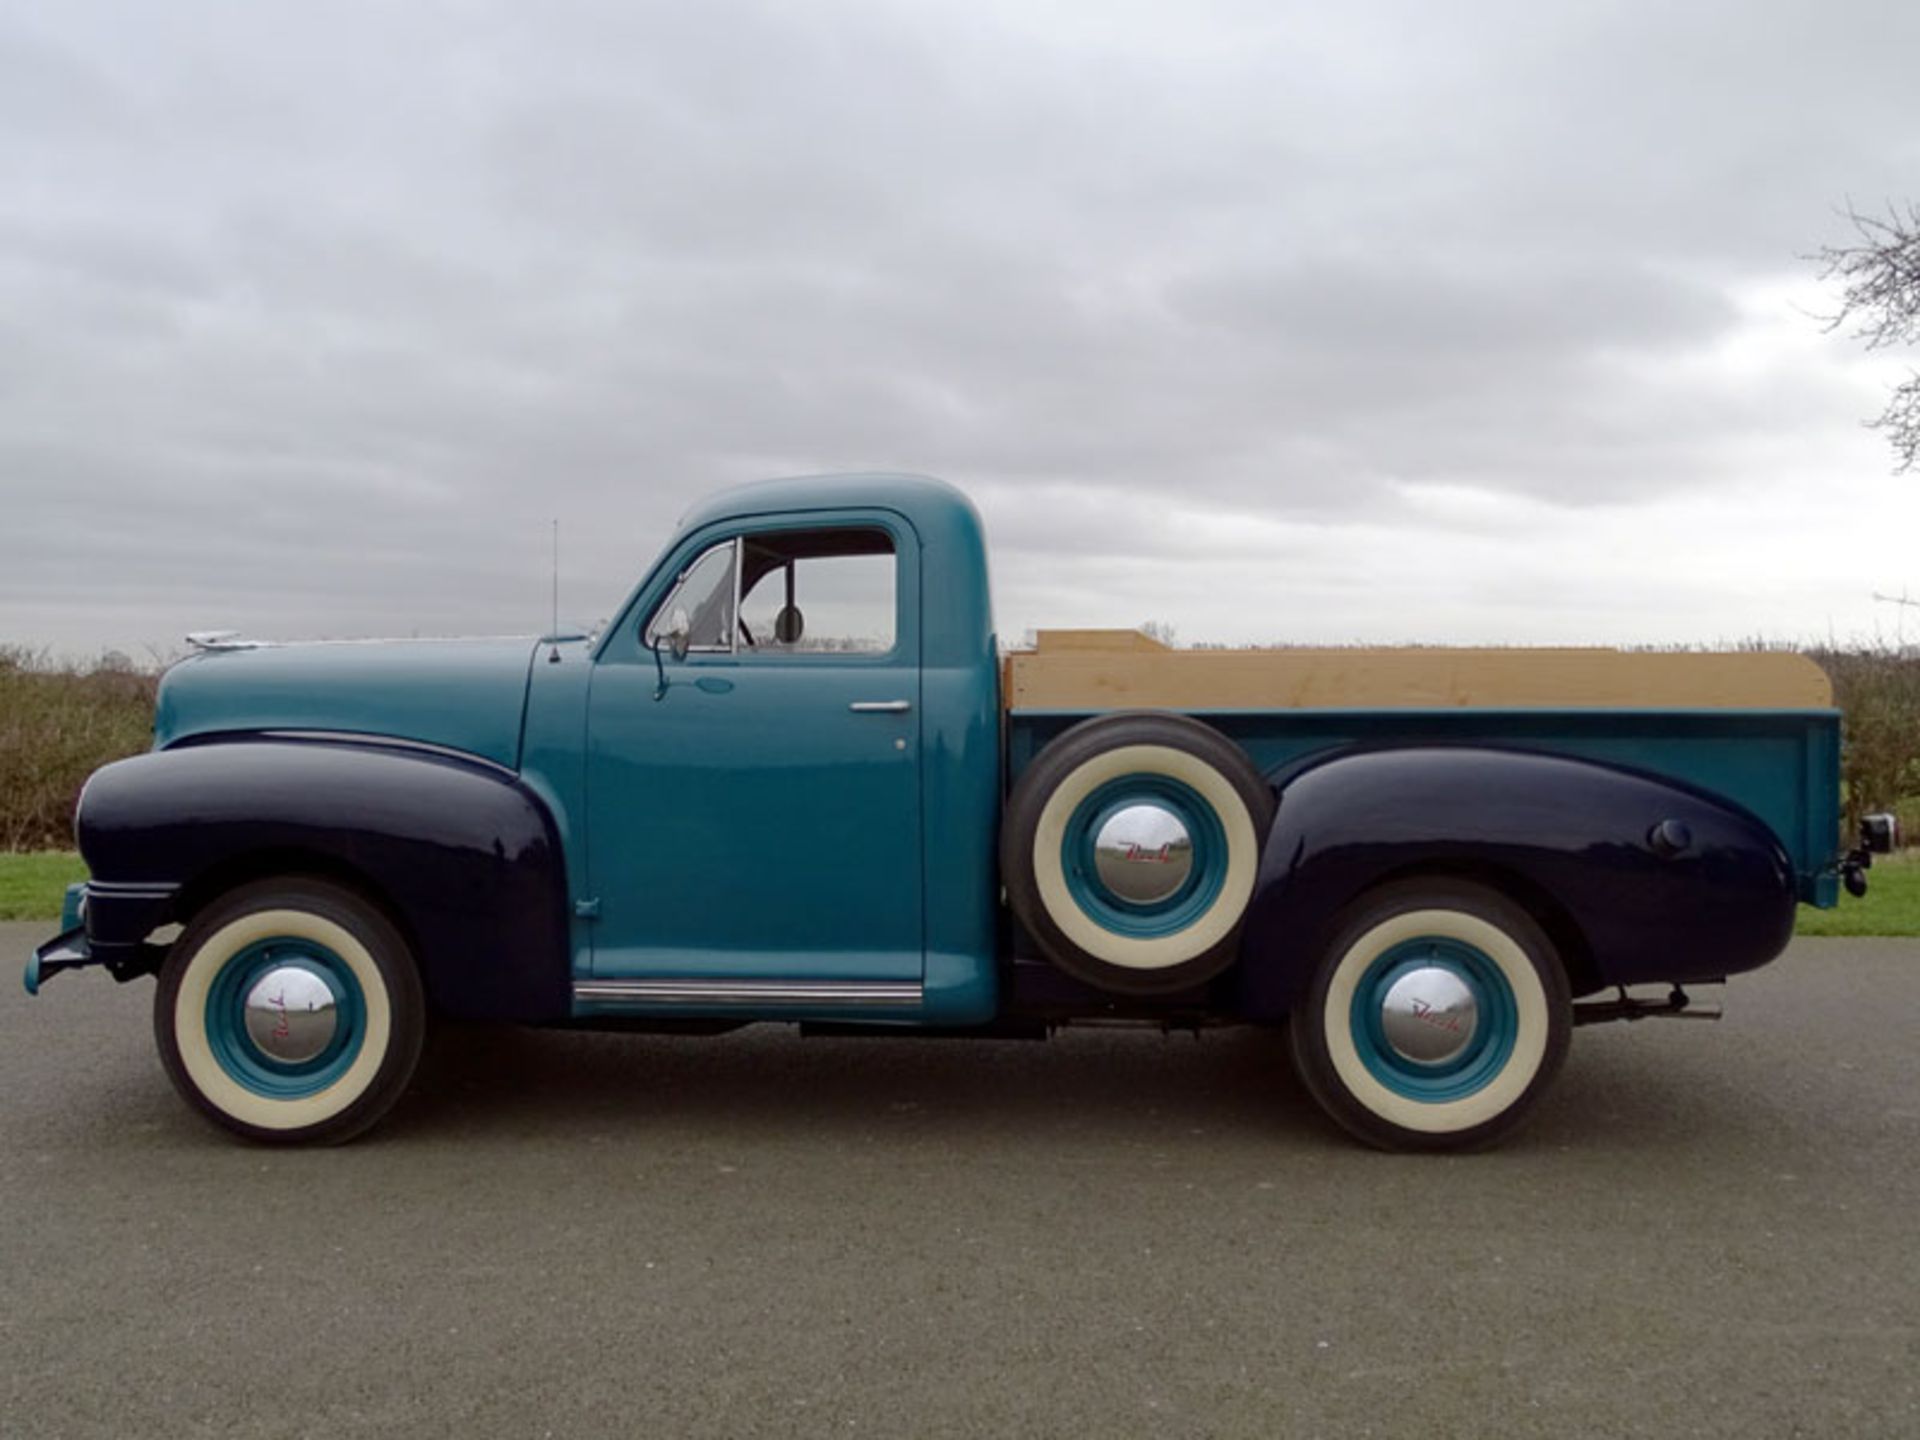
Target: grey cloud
x,y
311,319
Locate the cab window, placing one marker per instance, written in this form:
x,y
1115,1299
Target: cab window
x,y
821,592
705,590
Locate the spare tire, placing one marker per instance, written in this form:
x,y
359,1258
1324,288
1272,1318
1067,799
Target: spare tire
x,y
1130,847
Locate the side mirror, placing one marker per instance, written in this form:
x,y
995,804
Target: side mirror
x,y
678,636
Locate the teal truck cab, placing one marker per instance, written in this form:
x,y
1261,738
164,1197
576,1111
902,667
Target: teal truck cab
x,y
795,780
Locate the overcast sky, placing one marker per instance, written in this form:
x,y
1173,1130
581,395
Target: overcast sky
x,y
1361,322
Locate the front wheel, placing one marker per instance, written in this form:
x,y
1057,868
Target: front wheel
x,y
1437,1017
290,1011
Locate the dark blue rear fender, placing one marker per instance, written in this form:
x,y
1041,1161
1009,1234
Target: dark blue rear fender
x,y
1569,839
462,854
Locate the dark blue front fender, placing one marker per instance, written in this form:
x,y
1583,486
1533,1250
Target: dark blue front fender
x,y
462,853
1572,840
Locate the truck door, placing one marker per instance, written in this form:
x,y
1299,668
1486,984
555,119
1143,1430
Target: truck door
x,y
758,818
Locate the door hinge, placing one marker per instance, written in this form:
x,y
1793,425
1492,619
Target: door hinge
x,y
587,909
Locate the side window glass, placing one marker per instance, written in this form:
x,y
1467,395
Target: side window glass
x,y
705,592
818,592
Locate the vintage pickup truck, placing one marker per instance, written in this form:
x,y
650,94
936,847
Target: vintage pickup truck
x,y
795,780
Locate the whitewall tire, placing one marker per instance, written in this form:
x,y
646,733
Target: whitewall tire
x,y
1130,850
290,1011
1437,1017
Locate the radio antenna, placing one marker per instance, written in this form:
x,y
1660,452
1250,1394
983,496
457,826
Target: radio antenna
x,y
553,635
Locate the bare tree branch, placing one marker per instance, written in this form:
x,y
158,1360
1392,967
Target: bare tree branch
x,y
1879,277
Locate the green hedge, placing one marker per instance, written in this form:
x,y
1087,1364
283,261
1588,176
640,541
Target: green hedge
x,y
59,723
57,726
1878,690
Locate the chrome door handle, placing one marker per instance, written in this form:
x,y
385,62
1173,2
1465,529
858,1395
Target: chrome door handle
x,y
881,707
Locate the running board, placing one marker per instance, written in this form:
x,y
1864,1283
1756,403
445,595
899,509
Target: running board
x,y
814,994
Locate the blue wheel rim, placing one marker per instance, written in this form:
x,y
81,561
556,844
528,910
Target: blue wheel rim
x,y
1174,913
226,1026
1478,1063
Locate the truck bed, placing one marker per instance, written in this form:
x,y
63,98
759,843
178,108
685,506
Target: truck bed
x,y
1757,729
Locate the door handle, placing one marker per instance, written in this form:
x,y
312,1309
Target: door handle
x,y
881,707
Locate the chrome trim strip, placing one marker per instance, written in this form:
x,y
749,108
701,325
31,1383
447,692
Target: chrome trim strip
x,y
733,624
131,889
352,737
881,707
835,993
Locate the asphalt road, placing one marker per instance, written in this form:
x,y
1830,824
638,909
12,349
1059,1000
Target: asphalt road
x,y
1708,1230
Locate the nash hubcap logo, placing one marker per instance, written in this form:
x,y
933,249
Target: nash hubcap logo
x,y
1439,1019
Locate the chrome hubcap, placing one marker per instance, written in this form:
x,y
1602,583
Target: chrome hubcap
x,y
1429,1015
291,1014
1143,854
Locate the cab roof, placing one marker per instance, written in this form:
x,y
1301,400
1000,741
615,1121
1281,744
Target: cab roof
x,y
931,506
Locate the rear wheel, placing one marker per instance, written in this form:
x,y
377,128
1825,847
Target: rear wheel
x,y
1130,849
290,1011
1438,1016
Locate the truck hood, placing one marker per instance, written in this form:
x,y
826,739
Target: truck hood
x,y
468,695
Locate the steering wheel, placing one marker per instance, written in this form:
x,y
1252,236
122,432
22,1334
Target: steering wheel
x,y
746,634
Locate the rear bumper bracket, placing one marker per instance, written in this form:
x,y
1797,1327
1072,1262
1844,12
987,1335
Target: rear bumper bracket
x,y
1677,1006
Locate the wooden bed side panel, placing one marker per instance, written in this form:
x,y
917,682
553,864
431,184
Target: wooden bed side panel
x,y
1065,673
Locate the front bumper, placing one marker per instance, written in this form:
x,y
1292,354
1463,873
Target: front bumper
x,y
105,923
68,950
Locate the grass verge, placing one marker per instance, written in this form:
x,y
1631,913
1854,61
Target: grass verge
x,y
1892,906
32,883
